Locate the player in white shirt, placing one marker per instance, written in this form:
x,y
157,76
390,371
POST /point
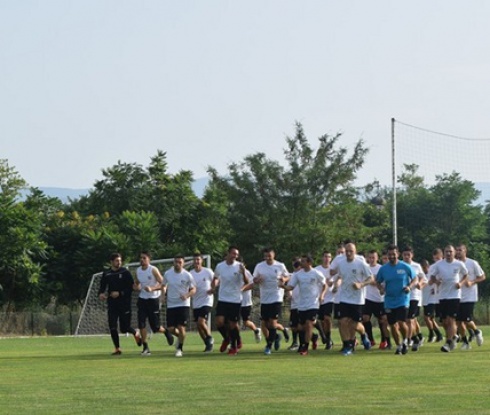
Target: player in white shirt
x,y
312,289
231,277
449,274
415,335
269,274
202,301
246,308
354,275
326,308
469,296
429,301
180,287
293,309
374,305
149,284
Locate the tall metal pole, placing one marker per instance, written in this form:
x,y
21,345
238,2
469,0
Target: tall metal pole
x,y
393,178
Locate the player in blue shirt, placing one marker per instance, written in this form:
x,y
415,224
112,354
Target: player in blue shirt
x,y
395,280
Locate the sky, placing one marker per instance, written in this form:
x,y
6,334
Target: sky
x,y
84,84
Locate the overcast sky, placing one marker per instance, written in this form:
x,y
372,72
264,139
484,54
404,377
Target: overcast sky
x,y
84,84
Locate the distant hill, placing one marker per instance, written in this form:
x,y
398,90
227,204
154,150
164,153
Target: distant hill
x,y
64,194
200,184
484,198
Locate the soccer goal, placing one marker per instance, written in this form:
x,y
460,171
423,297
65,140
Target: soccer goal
x,y
93,317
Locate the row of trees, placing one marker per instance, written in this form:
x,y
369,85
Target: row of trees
x,y
304,203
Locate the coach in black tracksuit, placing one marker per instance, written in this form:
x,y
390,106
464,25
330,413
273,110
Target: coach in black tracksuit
x,y
118,283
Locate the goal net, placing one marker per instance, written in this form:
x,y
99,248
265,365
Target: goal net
x,y
93,317
438,153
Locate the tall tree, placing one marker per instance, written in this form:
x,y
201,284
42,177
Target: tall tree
x,y
21,241
292,205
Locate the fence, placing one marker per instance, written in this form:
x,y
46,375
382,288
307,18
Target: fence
x,y
64,324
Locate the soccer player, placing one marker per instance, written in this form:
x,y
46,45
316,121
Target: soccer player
x,y
293,310
202,301
312,289
374,305
149,284
326,308
396,279
354,274
268,274
118,283
180,287
415,337
429,302
246,308
231,277
450,275
469,296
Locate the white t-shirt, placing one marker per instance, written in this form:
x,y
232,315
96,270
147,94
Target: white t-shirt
x,y
270,292
247,295
449,273
372,293
178,283
429,293
230,282
203,281
470,294
435,293
351,272
415,293
329,295
294,296
310,287
146,279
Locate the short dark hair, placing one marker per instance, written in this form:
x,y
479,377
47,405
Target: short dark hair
x,y
407,248
268,250
114,255
308,257
147,253
392,247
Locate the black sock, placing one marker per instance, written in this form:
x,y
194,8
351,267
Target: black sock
x,y
368,326
115,338
223,332
272,336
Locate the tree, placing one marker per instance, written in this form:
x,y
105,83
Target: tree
x,y
304,205
20,239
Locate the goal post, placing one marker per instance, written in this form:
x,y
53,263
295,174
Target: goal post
x,y
93,317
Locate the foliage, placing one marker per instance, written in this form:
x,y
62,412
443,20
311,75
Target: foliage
x,y
296,207
21,241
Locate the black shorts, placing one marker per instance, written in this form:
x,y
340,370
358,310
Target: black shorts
x,y
326,310
465,312
373,308
414,309
307,315
230,311
270,311
118,310
177,316
396,314
245,312
293,317
430,310
202,312
449,308
438,311
149,309
336,311
352,311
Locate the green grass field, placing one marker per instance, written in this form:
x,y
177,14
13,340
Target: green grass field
x,y
78,376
